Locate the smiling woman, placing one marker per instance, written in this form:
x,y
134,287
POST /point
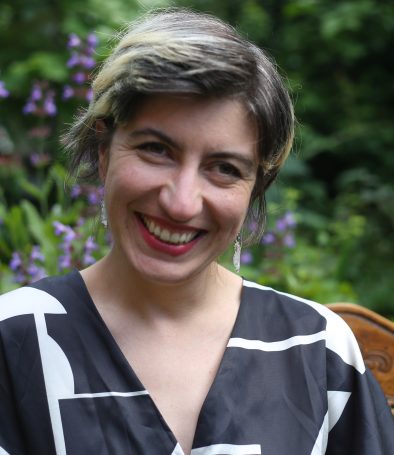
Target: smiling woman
x,y
178,179
156,349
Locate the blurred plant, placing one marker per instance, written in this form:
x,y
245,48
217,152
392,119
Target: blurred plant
x,y
93,193
301,253
81,62
44,230
4,93
41,101
28,269
34,245
76,249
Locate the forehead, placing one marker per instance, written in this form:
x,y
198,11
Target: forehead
x,y
192,118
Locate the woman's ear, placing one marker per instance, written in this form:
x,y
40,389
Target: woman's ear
x,y
103,149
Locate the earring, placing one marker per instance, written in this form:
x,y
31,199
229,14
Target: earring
x,y
103,214
237,253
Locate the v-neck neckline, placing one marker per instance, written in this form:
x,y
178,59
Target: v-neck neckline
x,y
134,377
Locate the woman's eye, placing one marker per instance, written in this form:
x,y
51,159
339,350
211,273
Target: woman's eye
x,y
156,148
228,170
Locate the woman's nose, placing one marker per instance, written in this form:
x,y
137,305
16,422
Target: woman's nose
x,y
181,196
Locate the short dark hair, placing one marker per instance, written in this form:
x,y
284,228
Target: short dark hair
x,y
183,52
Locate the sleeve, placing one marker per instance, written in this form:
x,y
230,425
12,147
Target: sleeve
x,y
366,425
359,418
11,437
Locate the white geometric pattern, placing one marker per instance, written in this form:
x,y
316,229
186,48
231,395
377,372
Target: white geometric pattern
x,y
58,375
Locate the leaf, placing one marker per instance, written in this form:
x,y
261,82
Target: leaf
x,y
42,65
32,190
59,175
42,233
15,225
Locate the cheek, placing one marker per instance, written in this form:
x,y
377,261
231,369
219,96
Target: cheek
x,y
121,175
234,207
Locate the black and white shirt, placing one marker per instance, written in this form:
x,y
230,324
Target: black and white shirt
x,y
291,382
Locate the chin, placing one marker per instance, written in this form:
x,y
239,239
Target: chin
x,y
170,273
158,270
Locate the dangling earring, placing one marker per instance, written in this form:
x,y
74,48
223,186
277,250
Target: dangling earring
x,y
237,253
103,214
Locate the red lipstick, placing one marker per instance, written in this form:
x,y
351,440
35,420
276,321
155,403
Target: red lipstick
x,y
163,247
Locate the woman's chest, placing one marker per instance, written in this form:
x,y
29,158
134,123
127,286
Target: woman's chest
x,y
178,374
247,398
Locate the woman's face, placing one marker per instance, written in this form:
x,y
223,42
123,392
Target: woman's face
x,y
178,179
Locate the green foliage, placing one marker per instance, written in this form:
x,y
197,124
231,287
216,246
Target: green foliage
x,y
26,227
307,256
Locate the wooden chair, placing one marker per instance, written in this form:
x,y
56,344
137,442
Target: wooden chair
x,y
375,335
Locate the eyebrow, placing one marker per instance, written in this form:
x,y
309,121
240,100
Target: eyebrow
x,y
154,132
247,162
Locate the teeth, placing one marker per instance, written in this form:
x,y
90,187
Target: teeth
x,y
164,235
177,238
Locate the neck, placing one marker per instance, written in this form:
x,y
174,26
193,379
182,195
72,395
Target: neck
x,y
109,281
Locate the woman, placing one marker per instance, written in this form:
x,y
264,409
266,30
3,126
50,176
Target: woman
x,y
157,349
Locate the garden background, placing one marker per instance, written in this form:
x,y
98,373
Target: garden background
x,y
330,219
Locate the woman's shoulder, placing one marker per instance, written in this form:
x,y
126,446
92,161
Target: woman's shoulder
x,y
285,302
303,317
43,296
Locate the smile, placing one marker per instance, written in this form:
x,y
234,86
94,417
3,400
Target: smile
x,y
167,235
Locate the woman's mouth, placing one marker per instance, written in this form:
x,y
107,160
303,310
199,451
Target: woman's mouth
x,y
167,235
166,239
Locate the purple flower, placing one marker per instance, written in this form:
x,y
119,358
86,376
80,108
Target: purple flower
x,y
73,40
32,269
75,191
286,222
36,93
88,259
281,224
289,240
268,238
90,245
246,257
36,254
65,259
4,93
38,275
35,158
16,261
79,77
49,104
74,60
94,197
59,228
68,92
64,262
87,62
39,159
29,107
69,235
290,219
92,40
20,277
